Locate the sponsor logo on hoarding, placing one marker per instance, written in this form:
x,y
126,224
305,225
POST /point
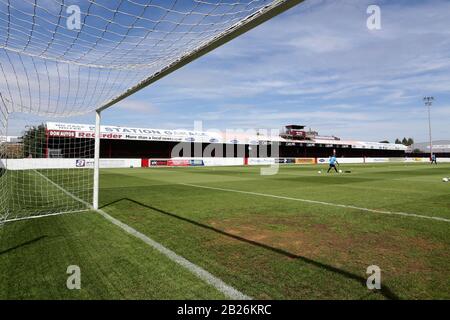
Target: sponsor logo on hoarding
x,y
196,163
62,134
112,132
158,162
178,163
261,161
284,160
124,130
80,163
304,160
322,160
91,135
380,160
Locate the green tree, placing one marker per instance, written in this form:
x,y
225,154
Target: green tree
x,y
384,141
405,141
34,142
410,141
397,141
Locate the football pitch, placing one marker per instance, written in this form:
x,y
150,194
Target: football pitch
x,y
294,235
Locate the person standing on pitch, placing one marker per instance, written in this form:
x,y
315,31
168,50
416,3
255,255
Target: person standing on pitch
x,y
433,159
333,162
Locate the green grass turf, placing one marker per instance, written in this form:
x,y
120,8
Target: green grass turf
x,y
35,254
31,194
264,247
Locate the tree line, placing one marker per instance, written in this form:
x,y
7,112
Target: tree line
x,y
405,141
34,141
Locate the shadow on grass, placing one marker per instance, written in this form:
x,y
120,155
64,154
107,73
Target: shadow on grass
x,y
26,243
385,291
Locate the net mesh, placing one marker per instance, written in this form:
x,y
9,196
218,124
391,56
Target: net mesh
x,y
50,65
61,58
49,171
3,151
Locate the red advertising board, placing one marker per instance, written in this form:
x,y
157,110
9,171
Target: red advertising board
x,y
153,163
86,135
178,163
61,134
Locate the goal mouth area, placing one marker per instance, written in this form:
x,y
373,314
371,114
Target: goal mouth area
x,y
53,68
42,175
47,192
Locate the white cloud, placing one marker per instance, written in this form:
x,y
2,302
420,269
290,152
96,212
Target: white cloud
x,y
320,43
137,106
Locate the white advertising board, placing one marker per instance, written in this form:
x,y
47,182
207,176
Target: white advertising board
x,y
26,164
341,160
261,161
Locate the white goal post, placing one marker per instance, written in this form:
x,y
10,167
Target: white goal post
x,y
62,58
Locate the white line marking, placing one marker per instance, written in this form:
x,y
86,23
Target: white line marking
x,y
201,273
64,190
226,289
45,215
321,202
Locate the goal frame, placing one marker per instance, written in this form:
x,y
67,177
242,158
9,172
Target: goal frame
x,y
252,21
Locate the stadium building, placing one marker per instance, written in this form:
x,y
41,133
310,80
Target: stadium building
x,y
439,147
147,143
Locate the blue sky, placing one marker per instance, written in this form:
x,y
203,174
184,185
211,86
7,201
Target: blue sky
x,y
318,65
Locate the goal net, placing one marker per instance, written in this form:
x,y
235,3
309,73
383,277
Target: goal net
x,y
66,58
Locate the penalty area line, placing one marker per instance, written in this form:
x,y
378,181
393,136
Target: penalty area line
x,y
405,214
201,273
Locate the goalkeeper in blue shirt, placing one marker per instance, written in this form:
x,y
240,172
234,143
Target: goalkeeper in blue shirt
x,y
332,162
433,159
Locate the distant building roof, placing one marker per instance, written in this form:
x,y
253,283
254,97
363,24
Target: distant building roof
x,y
12,139
295,126
71,130
438,146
